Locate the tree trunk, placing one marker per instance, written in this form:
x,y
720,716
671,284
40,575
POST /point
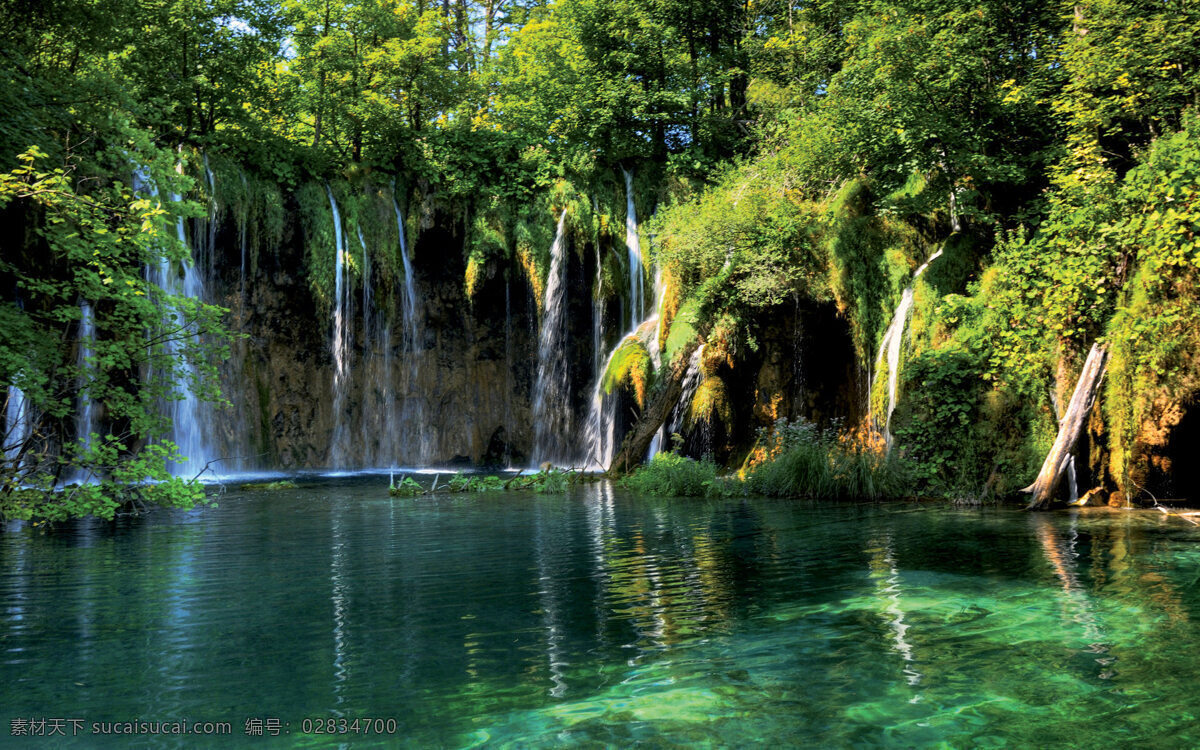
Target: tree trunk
x,y
637,442
1069,428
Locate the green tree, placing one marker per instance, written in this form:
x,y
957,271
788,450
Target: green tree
x,y
92,246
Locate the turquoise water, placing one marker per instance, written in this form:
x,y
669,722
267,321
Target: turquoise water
x,y
604,619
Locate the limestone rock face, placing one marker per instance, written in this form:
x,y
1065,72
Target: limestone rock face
x,y
1163,459
430,401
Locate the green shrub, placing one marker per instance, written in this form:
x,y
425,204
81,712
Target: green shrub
x,y
670,474
552,482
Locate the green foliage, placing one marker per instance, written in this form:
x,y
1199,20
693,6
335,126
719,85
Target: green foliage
x,y
671,475
551,482
406,487
710,403
870,258
683,329
743,245
820,150
256,205
940,428
123,487
958,265
1155,333
474,483
547,481
94,246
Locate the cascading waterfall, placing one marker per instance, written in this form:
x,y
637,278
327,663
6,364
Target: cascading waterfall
x,y
675,421
341,343
635,254
366,287
190,417
243,224
375,373
209,252
409,300
597,306
508,371
656,443
413,410
18,426
600,431
551,393
890,347
85,413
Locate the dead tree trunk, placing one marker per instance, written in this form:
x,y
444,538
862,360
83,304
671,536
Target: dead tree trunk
x,y
1069,429
637,442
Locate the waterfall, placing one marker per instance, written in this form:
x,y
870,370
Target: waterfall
x,y
597,304
508,371
409,301
675,421
375,377
599,434
18,427
893,338
366,290
551,393
190,417
85,414
243,223
635,253
412,417
209,253
600,431
340,344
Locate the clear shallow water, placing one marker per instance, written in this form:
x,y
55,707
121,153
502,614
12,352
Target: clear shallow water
x,y
604,619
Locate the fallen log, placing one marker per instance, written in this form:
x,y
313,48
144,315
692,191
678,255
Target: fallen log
x,y
1069,429
637,442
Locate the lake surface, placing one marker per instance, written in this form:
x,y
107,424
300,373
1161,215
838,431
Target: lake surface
x,y
600,618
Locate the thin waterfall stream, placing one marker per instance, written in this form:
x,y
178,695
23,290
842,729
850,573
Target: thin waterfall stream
x,y
340,343
551,393
86,421
893,339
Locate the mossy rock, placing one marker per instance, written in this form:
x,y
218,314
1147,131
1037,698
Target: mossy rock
x,y
282,484
630,367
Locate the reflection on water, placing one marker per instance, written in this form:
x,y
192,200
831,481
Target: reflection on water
x,y
599,617
887,586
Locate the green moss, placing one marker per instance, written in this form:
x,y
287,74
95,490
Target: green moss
x,y
683,328
283,484
320,243
711,403
1154,361
872,258
960,263
629,367
255,205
